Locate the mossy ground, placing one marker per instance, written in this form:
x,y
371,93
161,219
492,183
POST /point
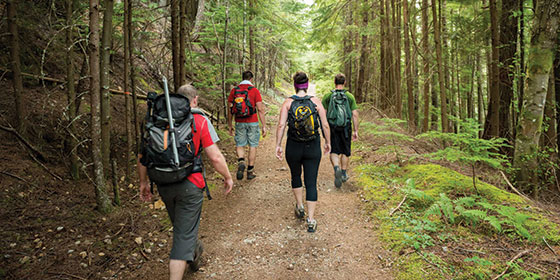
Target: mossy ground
x,y
429,246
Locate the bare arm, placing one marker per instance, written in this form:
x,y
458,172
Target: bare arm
x,y
356,125
145,194
219,163
324,124
281,127
261,109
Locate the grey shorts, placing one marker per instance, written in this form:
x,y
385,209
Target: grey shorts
x,y
247,133
184,205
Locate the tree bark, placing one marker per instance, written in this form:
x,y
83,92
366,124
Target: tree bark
x,y
71,92
539,65
480,98
252,49
126,77
397,56
508,46
175,44
105,82
182,41
133,79
426,62
224,60
348,48
443,96
102,199
521,75
364,51
549,135
408,67
492,125
16,65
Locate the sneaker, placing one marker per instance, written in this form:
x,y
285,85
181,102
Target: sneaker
x,y
194,266
311,225
251,174
345,177
240,169
300,212
338,178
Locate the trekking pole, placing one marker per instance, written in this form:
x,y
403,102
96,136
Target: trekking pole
x,y
171,122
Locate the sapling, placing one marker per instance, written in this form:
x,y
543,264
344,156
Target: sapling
x,y
467,148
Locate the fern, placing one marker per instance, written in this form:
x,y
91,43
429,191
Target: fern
x,y
446,207
494,222
467,201
474,216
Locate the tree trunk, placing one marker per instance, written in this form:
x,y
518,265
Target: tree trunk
x,y
557,91
224,60
133,79
426,62
470,97
360,85
383,57
492,125
508,46
81,88
182,41
434,115
549,136
397,56
252,50
539,65
442,93
521,75
175,44
408,67
103,201
105,83
126,66
16,65
479,93
71,92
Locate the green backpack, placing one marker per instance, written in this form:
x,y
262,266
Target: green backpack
x,y
339,114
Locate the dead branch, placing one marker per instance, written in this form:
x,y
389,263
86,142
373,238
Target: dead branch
x,y
17,177
513,188
398,206
44,167
511,261
23,140
548,245
470,251
66,274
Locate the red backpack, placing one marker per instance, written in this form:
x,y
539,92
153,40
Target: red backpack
x,y
242,107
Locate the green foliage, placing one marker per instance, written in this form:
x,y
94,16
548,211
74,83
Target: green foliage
x,y
389,129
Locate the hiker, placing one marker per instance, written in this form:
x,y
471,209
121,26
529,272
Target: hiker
x,y
245,102
304,115
184,195
191,93
342,114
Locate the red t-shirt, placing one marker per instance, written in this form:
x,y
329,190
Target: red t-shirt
x,y
254,97
201,136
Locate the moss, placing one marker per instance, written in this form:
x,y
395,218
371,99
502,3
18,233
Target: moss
x,y
435,179
414,267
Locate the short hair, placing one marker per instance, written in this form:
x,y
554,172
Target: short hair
x,y
247,75
339,79
189,91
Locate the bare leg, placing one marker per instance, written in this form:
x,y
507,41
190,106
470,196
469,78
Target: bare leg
x,y
298,194
252,155
176,269
240,152
311,209
344,162
335,158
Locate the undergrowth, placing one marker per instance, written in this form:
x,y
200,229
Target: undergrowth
x,y
441,210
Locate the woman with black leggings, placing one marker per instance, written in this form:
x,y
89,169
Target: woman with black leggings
x,y
304,153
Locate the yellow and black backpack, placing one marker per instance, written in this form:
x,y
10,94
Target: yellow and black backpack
x,y
303,119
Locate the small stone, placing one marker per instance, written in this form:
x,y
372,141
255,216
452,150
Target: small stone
x,y
291,267
12,245
24,260
101,254
83,265
108,241
138,240
83,254
148,251
70,251
77,242
59,228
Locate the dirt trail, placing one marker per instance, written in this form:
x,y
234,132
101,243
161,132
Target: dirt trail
x,y
253,233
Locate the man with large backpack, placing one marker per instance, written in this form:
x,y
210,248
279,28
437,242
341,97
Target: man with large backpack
x,y
245,102
342,112
171,158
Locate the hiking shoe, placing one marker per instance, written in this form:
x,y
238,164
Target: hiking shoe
x,y
250,174
344,177
300,212
311,225
240,170
338,178
194,266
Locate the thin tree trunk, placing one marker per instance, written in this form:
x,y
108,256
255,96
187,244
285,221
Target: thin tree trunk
x,y
470,97
175,44
133,79
437,40
103,201
348,47
549,136
16,65
492,126
434,115
105,82
252,50
397,58
126,37
244,42
408,67
521,79
557,92
182,41
224,60
426,62
360,85
539,65
71,91
81,88
480,98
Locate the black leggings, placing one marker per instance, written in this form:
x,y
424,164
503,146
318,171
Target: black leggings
x,y
308,155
